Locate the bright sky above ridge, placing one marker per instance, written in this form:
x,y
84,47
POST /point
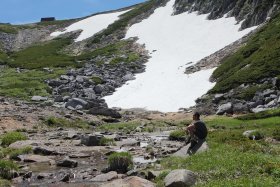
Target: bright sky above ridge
x,y
28,11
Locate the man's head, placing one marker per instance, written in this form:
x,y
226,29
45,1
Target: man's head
x,y
196,116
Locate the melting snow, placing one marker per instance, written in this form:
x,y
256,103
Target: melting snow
x,y
179,39
91,25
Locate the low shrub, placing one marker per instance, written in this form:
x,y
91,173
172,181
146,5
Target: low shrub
x,y
120,162
178,135
11,137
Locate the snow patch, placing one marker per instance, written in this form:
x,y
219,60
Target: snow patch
x,y
178,39
92,25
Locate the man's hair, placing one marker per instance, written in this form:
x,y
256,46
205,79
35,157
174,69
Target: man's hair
x,y
197,114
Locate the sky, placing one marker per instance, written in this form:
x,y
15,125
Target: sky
x,y
30,11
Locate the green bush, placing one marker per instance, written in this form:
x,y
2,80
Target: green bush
x,y
11,137
6,169
178,135
107,141
120,162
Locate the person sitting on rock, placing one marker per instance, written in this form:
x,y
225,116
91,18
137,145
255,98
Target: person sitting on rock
x,y
197,131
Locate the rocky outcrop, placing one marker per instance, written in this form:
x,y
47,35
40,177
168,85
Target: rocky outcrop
x,y
253,12
256,97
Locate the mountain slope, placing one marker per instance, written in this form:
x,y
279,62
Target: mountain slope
x,y
164,86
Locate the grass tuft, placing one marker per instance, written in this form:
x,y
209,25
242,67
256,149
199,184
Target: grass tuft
x,y
120,162
11,137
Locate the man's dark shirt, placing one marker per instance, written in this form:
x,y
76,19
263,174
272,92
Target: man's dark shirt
x,y
200,130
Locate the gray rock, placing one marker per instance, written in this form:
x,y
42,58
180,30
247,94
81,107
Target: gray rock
x,y
153,174
58,99
91,140
217,98
35,158
77,102
259,109
180,178
45,151
67,163
99,89
39,98
268,92
225,108
240,107
183,152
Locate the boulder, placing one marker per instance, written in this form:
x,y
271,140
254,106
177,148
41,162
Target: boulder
x,y
240,107
76,102
225,108
104,112
99,89
91,140
217,98
132,181
180,178
67,163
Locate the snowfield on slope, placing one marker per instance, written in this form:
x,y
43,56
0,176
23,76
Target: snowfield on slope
x,y
178,40
92,25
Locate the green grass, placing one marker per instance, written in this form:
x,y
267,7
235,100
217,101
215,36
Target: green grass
x,y
13,153
27,83
257,60
61,122
178,135
123,22
6,169
43,55
234,160
9,29
120,162
260,115
11,137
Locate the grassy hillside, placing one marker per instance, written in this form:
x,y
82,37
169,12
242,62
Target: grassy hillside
x,y
43,55
234,160
259,59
